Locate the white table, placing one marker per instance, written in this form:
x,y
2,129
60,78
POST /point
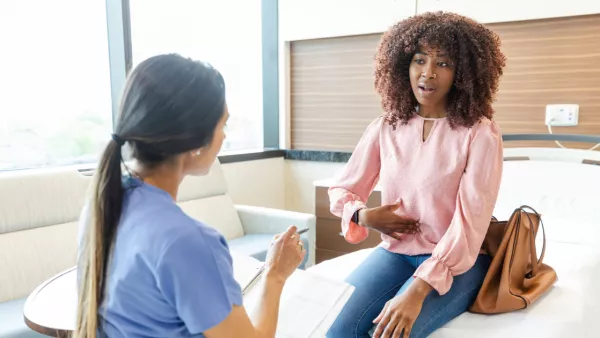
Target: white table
x,y
51,309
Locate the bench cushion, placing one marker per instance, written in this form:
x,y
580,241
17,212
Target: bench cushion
x,y
12,324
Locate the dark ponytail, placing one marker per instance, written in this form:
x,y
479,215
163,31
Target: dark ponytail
x,y
170,105
105,211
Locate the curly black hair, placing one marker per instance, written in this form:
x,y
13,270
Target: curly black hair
x,y
473,49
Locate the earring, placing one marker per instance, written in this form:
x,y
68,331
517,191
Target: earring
x,y
196,153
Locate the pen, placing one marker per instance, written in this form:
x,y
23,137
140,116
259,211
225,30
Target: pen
x,y
262,269
300,232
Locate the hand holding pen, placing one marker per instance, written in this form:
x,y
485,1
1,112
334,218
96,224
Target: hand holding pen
x,y
283,258
296,235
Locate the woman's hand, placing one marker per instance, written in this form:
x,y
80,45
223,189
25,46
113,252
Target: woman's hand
x,y
401,312
285,255
385,220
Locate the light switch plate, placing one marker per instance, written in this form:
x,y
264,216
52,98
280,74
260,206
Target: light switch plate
x,y
562,115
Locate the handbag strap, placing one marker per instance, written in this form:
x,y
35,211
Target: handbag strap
x,y
535,262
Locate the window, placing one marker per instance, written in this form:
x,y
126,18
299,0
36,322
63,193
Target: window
x,y
55,83
225,33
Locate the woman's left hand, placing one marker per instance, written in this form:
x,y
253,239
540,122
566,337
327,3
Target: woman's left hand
x,y
401,312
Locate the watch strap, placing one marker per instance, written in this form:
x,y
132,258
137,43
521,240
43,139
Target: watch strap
x,y
355,216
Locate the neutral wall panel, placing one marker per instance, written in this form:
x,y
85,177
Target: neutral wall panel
x,y
332,96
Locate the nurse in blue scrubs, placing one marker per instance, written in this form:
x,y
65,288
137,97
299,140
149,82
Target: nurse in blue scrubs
x,y
146,269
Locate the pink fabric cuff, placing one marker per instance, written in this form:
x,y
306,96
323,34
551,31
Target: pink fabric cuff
x,y
353,233
435,273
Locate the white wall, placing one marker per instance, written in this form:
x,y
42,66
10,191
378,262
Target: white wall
x,y
277,183
258,183
311,19
315,19
299,178
511,10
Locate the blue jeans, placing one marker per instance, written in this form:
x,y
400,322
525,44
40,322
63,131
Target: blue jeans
x,y
384,275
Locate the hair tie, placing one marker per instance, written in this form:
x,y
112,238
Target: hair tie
x,y
119,140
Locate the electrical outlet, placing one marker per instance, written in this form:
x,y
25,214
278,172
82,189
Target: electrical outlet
x,y
562,115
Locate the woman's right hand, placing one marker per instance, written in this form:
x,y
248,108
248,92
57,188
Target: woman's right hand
x,y
385,220
285,255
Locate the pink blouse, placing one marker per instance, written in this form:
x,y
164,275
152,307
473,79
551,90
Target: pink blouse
x,y
449,183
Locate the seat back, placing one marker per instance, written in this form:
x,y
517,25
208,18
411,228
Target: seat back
x,y
205,199
39,212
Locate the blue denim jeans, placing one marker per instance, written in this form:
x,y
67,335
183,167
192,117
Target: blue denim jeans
x,y
384,275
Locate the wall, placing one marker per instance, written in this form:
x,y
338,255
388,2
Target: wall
x,y
511,10
257,183
310,19
277,183
333,19
551,61
317,19
335,23
299,178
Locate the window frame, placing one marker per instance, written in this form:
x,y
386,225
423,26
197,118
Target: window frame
x,y
120,58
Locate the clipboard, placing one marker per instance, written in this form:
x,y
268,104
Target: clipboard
x,y
253,281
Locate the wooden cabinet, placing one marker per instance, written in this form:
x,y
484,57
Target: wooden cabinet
x,y
330,241
511,10
312,19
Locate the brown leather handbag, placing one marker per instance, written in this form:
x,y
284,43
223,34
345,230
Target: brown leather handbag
x,y
516,277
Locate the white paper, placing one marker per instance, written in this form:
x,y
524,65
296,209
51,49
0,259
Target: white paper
x,y
244,268
309,304
321,331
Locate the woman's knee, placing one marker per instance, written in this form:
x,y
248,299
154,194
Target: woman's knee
x,y
376,280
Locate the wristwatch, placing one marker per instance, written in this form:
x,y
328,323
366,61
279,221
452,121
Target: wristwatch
x,y
355,216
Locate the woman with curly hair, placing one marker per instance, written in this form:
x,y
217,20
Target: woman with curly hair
x,y
437,156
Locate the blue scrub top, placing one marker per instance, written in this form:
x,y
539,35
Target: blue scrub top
x,y
170,275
